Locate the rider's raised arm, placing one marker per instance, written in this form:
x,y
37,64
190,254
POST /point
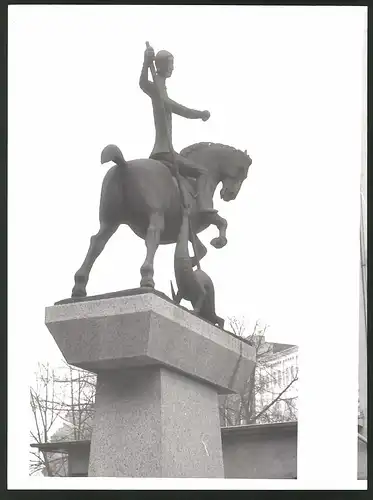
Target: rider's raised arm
x,y
145,84
178,109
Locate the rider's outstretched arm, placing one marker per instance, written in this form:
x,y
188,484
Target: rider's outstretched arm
x,y
178,109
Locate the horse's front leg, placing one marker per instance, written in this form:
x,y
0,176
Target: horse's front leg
x,y
153,236
221,224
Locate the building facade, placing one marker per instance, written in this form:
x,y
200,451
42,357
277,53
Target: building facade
x,y
272,396
277,381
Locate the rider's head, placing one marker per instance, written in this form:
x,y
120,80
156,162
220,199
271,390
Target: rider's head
x,y
164,62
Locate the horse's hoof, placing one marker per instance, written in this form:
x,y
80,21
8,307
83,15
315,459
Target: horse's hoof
x,y
220,322
78,292
219,242
147,283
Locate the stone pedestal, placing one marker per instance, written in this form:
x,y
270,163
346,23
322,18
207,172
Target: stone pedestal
x,y
159,371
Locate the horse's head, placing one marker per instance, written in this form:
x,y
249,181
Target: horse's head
x,y
234,169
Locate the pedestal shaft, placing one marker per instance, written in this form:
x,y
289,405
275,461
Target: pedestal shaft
x,y
153,422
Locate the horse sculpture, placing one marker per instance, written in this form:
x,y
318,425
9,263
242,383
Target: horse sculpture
x,y
144,195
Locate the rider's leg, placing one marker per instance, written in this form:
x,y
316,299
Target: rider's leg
x,y
190,169
210,216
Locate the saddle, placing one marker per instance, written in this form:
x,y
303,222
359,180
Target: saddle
x,y
188,183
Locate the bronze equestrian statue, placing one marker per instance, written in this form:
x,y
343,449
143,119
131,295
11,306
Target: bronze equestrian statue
x,y
144,194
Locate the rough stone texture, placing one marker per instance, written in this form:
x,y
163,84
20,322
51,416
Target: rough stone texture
x,y
250,451
191,440
150,422
145,329
159,369
126,438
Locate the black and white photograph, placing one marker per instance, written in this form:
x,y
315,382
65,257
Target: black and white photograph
x,y
187,247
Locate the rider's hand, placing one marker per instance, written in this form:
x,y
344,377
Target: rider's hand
x,y
149,55
205,115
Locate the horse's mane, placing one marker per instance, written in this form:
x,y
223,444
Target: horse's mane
x,y
203,145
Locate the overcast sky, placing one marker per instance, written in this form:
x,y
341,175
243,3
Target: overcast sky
x,y
284,83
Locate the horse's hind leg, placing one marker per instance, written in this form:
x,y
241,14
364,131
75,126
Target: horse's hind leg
x,y
98,242
153,236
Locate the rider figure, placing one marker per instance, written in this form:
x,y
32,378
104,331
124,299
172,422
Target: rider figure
x,y
163,149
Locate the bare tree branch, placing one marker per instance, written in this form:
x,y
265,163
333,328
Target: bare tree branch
x,y
61,396
259,399
272,402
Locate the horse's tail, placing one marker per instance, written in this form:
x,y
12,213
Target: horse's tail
x,y
113,153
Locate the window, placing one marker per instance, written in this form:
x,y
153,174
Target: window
x,y
287,376
279,378
292,372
